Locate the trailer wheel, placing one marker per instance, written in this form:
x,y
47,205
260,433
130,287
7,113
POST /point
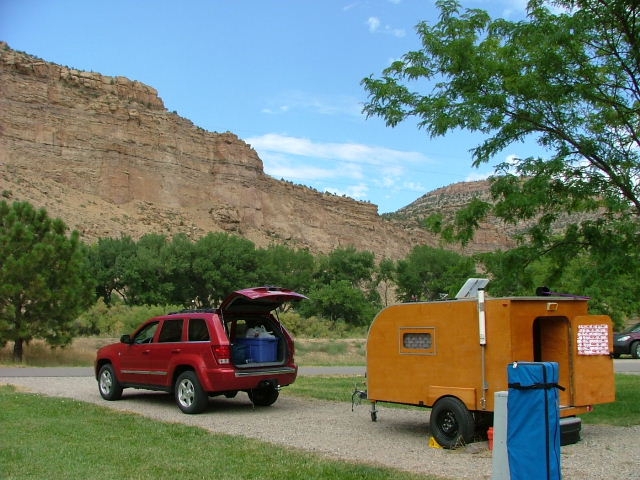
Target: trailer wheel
x,y
451,423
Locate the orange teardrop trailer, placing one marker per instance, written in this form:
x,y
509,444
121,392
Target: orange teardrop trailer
x,y
452,356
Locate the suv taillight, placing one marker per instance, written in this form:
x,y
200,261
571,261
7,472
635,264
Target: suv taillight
x,y
222,354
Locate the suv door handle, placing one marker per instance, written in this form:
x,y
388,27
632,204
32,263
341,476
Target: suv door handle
x,y
176,350
146,352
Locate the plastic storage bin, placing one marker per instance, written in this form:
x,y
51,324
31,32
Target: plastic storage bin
x,y
259,350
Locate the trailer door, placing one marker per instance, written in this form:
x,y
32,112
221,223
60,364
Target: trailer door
x,y
593,379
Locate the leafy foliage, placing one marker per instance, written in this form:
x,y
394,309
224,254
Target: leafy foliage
x,y
285,267
339,301
431,273
571,81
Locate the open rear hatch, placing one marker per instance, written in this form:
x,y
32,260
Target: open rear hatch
x,y
257,337
258,300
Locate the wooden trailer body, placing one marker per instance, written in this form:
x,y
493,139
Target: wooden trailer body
x,y
421,352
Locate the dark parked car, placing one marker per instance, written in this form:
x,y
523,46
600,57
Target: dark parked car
x,y
195,354
627,342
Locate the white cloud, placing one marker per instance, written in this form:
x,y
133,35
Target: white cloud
x,y
320,104
359,191
350,6
351,169
414,186
351,152
281,166
374,24
476,176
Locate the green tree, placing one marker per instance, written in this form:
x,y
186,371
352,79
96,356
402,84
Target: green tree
x,y
339,301
179,256
146,275
353,266
223,263
284,267
386,279
571,80
44,278
516,272
109,259
347,264
429,273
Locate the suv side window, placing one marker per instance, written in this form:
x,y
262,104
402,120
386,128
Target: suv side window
x,y
171,331
198,331
146,334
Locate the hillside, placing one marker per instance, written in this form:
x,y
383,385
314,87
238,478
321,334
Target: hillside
x,y
104,154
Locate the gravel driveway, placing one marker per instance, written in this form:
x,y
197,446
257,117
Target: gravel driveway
x,y
399,438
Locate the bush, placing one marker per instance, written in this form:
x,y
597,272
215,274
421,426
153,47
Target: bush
x,y
119,318
318,327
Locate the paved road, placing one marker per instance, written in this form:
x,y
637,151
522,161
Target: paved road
x,y
627,365
621,366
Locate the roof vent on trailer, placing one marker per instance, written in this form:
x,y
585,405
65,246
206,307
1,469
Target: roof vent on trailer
x,y
471,287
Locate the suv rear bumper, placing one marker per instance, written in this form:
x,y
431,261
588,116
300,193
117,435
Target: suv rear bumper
x,y
247,379
267,371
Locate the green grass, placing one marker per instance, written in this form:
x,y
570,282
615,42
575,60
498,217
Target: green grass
x,y
314,352
625,411
53,438
334,387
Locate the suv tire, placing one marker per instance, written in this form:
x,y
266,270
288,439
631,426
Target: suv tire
x,y
190,397
110,388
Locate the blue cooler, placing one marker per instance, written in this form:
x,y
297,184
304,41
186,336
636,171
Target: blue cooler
x,y
259,350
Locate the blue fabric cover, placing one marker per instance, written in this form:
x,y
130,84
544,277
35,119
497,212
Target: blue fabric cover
x,y
533,421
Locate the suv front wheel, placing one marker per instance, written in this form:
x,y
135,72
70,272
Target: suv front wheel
x,y
190,396
110,388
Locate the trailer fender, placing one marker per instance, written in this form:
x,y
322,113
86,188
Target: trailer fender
x,y
467,396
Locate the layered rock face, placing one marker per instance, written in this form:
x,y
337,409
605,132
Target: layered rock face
x,y
104,155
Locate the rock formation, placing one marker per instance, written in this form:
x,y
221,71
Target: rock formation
x,y
104,155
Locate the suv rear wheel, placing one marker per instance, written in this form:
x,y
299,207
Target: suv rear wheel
x,y
190,397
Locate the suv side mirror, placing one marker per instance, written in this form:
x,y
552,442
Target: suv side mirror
x,y
126,339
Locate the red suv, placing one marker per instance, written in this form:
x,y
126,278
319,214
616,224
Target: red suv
x,y
240,346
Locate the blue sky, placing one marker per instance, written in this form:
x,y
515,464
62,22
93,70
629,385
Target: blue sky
x,y
283,75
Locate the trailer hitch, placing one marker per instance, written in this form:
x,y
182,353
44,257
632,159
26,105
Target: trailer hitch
x,y
357,396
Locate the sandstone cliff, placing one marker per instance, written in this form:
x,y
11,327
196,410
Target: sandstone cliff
x,y
103,154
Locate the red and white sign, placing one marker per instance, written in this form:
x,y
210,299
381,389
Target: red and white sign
x,y
593,340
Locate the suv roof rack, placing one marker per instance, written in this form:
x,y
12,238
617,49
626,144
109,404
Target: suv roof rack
x,y
194,310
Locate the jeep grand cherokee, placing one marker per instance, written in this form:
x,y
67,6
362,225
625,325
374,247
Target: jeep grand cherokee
x,y
195,354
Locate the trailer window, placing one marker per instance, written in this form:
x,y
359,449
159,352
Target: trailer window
x,y
417,341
